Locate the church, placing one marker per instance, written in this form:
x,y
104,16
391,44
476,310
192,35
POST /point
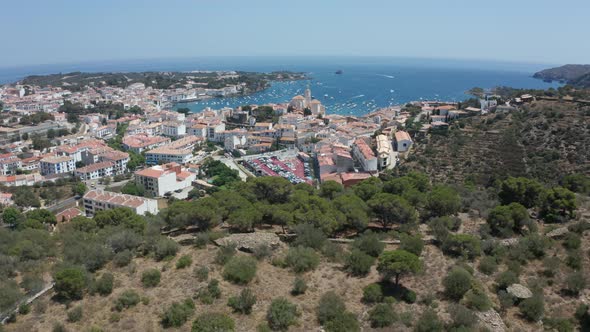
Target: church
x,y
300,102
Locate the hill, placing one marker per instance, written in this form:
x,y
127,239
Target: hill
x,y
568,73
545,140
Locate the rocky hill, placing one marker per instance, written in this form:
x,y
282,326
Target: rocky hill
x,y
568,73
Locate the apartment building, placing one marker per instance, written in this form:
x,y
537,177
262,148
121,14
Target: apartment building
x,y
162,179
98,200
57,165
95,171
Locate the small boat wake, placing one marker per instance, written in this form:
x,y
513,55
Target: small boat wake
x,y
387,76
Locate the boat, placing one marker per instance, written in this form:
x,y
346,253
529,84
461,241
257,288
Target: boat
x,y
339,72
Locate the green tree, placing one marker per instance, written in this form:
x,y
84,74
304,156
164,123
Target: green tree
x,y
521,190
79,189
392,209
457,283
330,189
505,220
70,283
12,216
443,201
578,183
559,205
398,263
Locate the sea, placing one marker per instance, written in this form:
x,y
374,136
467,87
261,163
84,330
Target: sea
x,y
365,83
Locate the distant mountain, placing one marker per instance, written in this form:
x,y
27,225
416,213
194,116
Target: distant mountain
x,y
572,74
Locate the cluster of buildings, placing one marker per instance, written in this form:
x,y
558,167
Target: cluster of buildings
x,y
346,149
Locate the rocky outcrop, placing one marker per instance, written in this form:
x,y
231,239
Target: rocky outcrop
x,y
491,320
249,241
558,232
519,291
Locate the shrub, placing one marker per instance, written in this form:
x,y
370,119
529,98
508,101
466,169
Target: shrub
x,y
506,300
462,317
428,322
572,241
123,258
409,296
150,278
59,327
201,273
333,252
412,243
345,322
75,314
382,315
506,279
262,251
178,313
225,253
165,247
70,283
240,270
127,299
212,291
369,243
213,322
476,298
309,236
358,263
559,324
457,283
574,260
532,308
242,303
24,309
488,265
201,240
302,259
330,307
299,286
281,314
372,293
575,282
184,261
104,284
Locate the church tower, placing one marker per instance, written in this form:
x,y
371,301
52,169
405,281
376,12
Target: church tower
x,y
307,97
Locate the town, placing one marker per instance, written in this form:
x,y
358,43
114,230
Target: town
x,y
133,137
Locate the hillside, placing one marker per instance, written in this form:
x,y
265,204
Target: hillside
x,y
546,140
568,73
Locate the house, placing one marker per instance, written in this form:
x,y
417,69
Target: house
x,y
98,200
9,163
384,150
403,141
364,155
68,214
173,129
162,179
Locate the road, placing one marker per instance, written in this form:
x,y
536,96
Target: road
x,y
231,163
62,205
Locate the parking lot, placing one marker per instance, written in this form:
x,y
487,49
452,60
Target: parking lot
x,y
292,169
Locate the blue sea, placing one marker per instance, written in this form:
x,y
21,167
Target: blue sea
x,y
366,83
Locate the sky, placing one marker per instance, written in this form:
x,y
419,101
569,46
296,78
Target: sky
x,y
73,31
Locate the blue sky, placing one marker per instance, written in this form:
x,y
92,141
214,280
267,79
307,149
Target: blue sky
x,y
73,31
